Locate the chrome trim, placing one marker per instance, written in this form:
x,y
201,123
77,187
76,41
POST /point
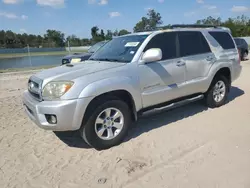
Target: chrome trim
x,y
35,87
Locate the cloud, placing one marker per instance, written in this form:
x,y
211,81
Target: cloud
x,y
8,15
240,9
210,7
11,1
114,14
210,10
23,30
161,1
24,17
200,1
12,16
103,2
51,3
91,1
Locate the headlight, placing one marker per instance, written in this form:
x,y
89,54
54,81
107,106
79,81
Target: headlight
x,y
75,60
54,90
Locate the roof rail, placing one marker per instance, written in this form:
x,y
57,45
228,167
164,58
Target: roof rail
x,y
192,26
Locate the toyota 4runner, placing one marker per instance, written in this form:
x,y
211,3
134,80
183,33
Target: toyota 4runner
x,y
130,75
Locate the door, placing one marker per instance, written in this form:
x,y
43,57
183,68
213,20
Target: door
x,y
161,81
196,53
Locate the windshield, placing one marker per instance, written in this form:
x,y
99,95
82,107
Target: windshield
x,y
121,49
96,46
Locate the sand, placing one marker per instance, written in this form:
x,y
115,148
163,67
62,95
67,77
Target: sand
x,y
191,146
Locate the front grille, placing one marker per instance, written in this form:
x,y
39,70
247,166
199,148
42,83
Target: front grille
x,y
34,87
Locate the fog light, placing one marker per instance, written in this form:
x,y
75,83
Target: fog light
x,y
51,118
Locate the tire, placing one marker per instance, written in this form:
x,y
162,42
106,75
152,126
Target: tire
x,y
245,54
90,128
210,99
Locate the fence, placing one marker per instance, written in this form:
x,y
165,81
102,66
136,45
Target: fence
x,y
77,48
26,50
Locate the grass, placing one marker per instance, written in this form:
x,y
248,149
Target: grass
x,y
14,55
27,69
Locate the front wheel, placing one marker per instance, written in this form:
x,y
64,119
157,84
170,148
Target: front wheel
x,y
216,95
108,125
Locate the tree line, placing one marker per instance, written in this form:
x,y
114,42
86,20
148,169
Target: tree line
x,y
240,26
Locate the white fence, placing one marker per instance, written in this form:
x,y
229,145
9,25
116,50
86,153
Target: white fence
x,y
77,48
247,39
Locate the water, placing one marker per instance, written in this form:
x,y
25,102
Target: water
x,y
36,61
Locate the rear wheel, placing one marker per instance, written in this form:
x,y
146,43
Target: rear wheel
x,y
216,95
108,125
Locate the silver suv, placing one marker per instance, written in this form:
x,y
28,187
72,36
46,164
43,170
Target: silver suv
x,y
131,75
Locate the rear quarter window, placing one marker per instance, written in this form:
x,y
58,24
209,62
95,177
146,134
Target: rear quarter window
x,y
224,39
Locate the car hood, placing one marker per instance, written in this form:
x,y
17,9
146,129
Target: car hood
x,y
77,55
72,71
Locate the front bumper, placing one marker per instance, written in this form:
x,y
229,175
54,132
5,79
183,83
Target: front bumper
x,y
69,113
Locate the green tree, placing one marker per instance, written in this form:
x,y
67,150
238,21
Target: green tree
x,y
115,33
109,35
85,42
123,32
55,38
151,22
94,31
73,40
210,21
102,35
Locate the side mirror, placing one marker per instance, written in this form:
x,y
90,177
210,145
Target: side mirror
x,y
152,55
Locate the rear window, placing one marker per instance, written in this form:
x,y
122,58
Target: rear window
x,y
192,43
238,41
224,39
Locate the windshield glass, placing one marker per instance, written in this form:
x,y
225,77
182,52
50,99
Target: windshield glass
x,y
121,49
96,46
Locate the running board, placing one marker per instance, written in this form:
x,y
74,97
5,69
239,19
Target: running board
x,y
174,104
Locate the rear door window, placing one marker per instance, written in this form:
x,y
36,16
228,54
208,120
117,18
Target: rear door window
x,y
192,43
166,42
224,39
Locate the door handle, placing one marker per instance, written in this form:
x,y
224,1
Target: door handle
x,y
180,63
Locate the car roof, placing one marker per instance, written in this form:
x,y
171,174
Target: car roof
x,y
218,29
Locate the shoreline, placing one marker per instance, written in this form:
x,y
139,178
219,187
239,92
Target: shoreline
x,y
26,69
19,55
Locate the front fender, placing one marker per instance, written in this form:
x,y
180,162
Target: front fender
x,y
112,84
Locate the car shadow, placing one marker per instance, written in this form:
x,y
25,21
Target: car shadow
x,y
163,118
72,139
150,121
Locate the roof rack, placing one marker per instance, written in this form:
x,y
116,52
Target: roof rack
x,y
192,26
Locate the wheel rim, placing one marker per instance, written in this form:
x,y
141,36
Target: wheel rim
x,y
109,123
219,91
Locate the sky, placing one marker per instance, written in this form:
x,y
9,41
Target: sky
x,y
79,16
